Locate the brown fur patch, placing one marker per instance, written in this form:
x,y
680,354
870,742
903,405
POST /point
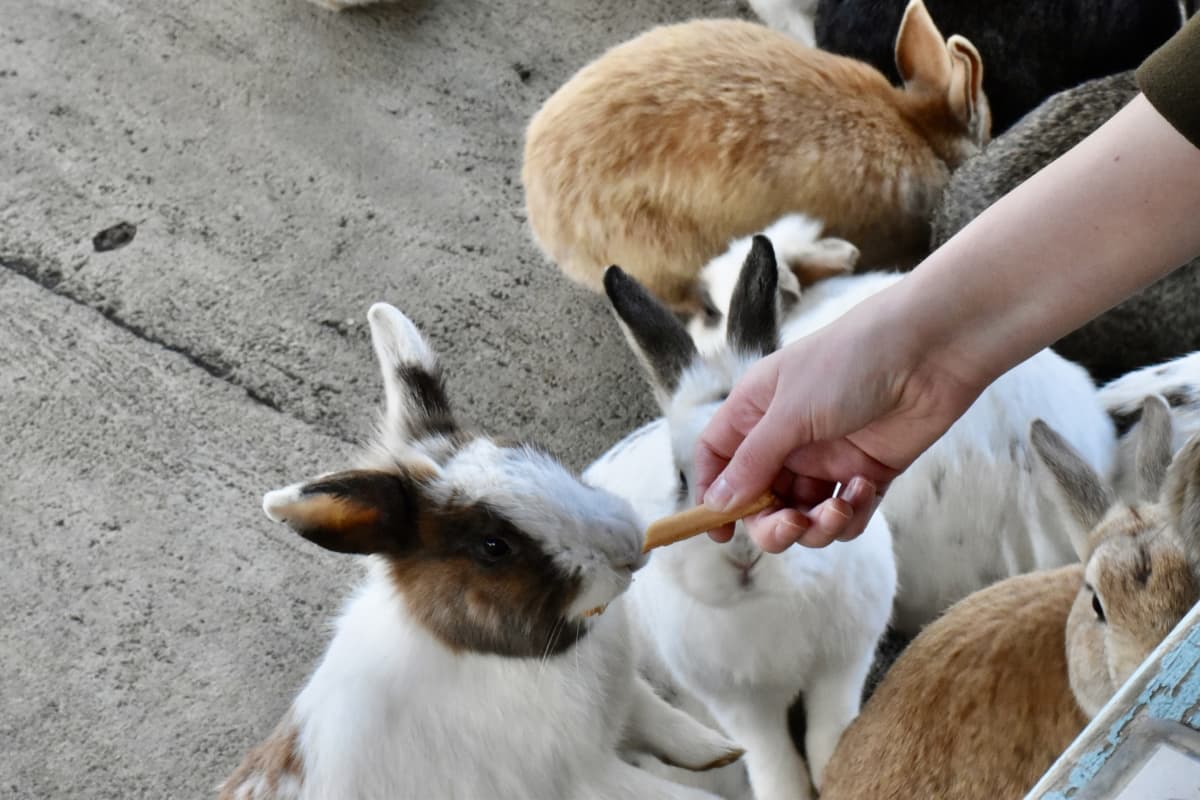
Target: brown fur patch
x,y
272,761
978,706
512,607
327,511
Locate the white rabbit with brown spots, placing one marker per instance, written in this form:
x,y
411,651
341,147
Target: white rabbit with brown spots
x,y
987,697
665,148
468,664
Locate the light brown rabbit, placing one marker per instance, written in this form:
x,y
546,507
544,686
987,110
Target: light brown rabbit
x,y
665,148
986,697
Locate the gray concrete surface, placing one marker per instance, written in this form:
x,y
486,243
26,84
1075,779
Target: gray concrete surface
x,y
284,167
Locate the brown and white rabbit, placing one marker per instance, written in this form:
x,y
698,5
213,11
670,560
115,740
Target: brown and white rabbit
x,y
666,147
467,665
986,697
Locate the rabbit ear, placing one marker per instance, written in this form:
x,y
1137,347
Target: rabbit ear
x,y
1181,493
965,97
753,323
412,381
921,54
654,333
824,258
1081,496
361,511
1153,448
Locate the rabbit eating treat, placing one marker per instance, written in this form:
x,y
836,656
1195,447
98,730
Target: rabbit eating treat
x,y
985,698
666,147
466,665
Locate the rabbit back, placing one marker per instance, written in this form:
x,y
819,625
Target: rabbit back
x,y
979,705
660,152
972,510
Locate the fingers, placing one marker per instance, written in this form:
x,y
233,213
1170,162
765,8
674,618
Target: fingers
x,y
842,518
776,531
740,414
752,469
834,518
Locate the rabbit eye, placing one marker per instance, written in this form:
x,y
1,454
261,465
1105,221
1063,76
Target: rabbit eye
x,y
492,549
683,483
1099,609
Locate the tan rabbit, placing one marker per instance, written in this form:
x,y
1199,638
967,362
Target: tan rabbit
x,y
665,148
986,697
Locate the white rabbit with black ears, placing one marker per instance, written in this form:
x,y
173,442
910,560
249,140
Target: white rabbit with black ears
x,y
745,631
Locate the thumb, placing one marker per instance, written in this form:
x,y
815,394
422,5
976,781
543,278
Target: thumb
x,y
754,465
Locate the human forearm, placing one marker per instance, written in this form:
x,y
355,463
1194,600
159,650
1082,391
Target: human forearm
x,y
1111,216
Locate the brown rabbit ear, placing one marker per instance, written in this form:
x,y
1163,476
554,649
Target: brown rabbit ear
x,y
825,258
1181,493
360,511
1081,496
966,98
1153,448
921,55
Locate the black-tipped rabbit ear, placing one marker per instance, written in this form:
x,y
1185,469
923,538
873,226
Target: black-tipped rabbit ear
x,y
416,402
654,334
753,310
358,511
1083,499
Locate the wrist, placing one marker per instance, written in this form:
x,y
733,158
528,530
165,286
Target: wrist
x,y
933,340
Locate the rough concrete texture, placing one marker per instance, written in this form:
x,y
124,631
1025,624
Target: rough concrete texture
x,y
280,168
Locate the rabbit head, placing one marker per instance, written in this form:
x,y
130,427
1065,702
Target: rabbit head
x,y
689,387
494,546
1142,560
804,258
943,79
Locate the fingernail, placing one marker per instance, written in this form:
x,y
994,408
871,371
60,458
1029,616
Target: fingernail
x,y
841,511
719,496
858,489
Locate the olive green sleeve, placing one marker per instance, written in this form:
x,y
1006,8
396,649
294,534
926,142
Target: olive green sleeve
x,y
1170,79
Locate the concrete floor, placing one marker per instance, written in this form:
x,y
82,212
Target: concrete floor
x,y
284,167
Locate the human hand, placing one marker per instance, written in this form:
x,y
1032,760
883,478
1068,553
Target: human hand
x,y
854,403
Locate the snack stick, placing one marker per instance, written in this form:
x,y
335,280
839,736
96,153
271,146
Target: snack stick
x,y
693,521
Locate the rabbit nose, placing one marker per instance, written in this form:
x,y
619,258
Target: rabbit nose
x,y
744,563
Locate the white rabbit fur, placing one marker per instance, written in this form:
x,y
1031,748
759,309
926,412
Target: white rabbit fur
x,y
970,511
1178,382
742,631
455,672
793,17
